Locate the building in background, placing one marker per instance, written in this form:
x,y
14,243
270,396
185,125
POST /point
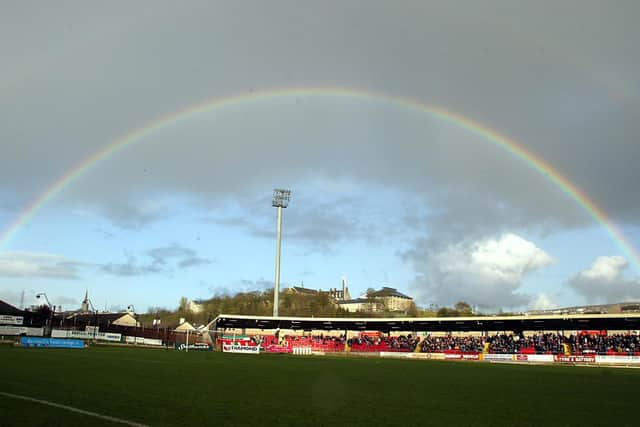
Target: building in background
x,y
335,294
385,299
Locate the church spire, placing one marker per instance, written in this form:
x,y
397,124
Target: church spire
x,y
85,303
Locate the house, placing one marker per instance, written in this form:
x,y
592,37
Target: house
x,y
357,304
392,299
195,306
337,295
183,326
384,299
81,320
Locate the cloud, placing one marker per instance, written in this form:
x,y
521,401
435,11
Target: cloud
x,y
580,94
542,301
133,212
245,285
317,225
163,259
605,282
187,257
487,272
131,267
30,264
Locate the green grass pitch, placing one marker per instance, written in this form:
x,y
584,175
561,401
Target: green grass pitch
x,y
171,388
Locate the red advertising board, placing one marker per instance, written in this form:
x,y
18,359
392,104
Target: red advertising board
x,y
278,349
584,358
462,356
453,356
471,356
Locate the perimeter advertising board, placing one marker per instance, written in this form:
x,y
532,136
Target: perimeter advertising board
x,y
237,348
10,320
584,358
541,358
104,336
498,357
51,342
462,356
199,346
278,349
21,330
625,360
396,354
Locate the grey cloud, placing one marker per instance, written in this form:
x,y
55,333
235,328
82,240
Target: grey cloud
x,y
244,285
605,282
131,268
37,265
320,226
530,70
161,260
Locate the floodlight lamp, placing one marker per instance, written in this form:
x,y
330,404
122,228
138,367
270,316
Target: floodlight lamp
x,y
281,198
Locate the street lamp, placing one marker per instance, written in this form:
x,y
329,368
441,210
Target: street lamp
x,y
281,200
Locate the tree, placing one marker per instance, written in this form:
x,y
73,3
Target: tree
x,y
44,310
463,308
412,309
447,312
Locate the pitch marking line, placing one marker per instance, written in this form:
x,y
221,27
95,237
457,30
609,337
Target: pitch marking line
x,y
73,409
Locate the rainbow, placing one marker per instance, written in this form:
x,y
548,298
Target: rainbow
x,y
531,159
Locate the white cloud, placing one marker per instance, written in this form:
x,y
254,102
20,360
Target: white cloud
x,y
486,272
30,264
542,302
605,268
604,281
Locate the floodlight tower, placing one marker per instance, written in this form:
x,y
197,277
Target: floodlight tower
x,y
280,200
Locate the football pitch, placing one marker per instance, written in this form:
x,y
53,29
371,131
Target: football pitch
x,y
171,388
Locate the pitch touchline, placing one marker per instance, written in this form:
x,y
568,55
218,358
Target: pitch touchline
x,y
72,409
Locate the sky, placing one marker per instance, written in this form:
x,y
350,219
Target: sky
x,y
141,144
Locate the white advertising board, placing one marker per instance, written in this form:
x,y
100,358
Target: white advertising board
x,y
141,340
625,360
10,320
244,349
397,355
21,330
84,335
544,358
498,357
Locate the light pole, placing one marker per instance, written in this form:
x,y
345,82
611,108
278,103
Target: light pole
x,y
280,200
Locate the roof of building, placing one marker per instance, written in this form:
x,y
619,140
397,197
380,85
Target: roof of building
x,y
442,324
29,317
103,317
389,292
8,309
301,290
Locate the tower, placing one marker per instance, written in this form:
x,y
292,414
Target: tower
x,y
85,303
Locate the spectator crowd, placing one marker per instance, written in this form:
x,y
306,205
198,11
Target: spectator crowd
x,y
537,343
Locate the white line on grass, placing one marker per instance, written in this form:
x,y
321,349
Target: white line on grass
x,y
73,409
